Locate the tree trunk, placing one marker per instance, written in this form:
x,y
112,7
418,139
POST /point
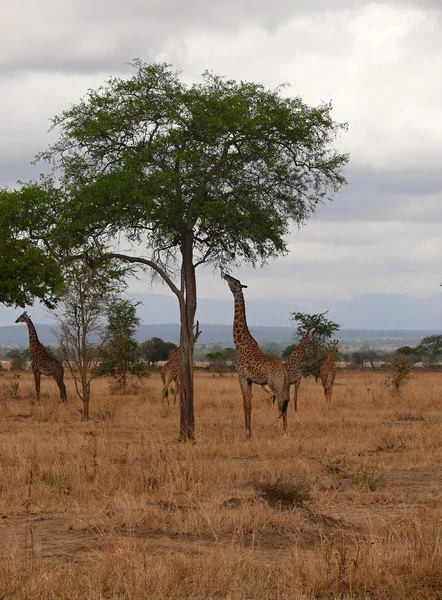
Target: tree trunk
x,y
187,317
86,398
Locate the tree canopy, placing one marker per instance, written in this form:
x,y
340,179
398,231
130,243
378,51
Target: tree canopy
x,y
27,270
171,176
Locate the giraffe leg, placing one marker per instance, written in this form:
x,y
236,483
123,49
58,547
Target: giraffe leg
x,y
283,410
165,396
62,388
330,383
246,389
37,377
295,393
177,390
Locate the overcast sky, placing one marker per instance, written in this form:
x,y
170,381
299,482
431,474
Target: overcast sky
x,y
379,63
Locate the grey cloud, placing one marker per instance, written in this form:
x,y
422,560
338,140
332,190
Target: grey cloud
x,y
100,36
382,195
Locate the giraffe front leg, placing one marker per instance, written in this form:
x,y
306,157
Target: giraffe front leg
x,y
246,389
176,390
283,410
37,377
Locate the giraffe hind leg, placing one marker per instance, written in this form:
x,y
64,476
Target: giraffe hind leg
x,y
62,388
176,390
37,378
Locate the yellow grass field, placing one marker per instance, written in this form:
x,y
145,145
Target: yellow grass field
x,y
347,505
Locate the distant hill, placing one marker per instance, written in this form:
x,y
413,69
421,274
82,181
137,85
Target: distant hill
x,y
366,311
222,334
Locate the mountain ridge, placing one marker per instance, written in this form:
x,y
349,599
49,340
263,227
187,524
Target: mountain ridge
x,y
375,311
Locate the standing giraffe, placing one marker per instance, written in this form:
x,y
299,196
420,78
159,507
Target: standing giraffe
x,y
294,362
171,370
42,363
252,365
328,371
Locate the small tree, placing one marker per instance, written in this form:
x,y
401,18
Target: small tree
x,y
121,356
401,367
81,327
156,349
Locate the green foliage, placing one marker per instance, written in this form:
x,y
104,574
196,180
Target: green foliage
x,y
27,270
156,349
406,351
222,361
323,328
430,348
320,342
19,359
151,150
121,356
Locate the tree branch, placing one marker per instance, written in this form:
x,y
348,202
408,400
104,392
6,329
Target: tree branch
x,y
130,259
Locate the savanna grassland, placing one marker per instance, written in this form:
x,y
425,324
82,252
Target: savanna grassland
x,y
347,505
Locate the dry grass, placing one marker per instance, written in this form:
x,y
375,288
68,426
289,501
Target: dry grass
x,y
347,505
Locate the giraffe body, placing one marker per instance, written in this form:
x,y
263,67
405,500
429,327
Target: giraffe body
x,y
294,363
328,371
171,370
42,363
252,365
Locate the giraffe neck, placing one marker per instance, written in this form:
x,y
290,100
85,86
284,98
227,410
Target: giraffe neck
x,y
34,342
241,334
300,349
331,356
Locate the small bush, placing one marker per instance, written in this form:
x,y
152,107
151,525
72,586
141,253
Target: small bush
x,y
286,494
372,479
401,367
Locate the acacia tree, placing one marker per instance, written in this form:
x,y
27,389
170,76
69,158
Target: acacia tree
x,y
320,343
184,175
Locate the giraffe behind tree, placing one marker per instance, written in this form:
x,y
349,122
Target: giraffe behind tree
x,y
171,370
328,371
42,363
294,364
252,365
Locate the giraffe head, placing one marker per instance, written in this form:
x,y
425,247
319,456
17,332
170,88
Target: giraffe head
x,y
23,318
336,345
234,284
